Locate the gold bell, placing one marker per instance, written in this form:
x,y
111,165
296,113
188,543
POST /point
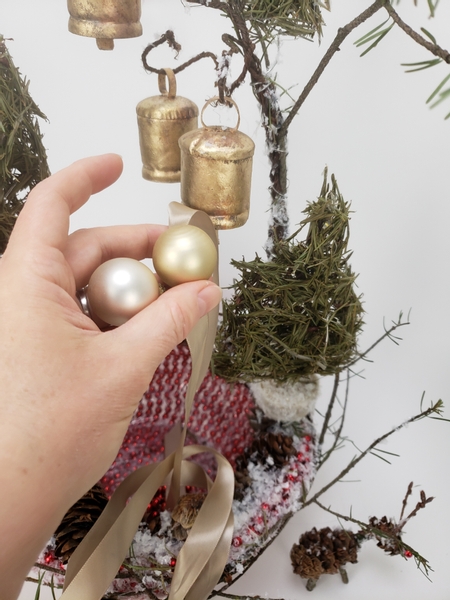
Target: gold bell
x,y
216,172
106,20
162,120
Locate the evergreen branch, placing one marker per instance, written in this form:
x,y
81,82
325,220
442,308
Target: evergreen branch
x,y
377,38
422,65
434,409
438,89
419,39
342,33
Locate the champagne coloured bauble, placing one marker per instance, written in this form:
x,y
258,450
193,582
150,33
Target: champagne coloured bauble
x,y
162,120
216,172
105,20
184,253
120,288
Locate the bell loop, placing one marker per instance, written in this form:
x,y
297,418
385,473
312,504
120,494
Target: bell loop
x,y
229,101
172,83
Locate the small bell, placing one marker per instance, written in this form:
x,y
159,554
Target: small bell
x,y
105,20
216,172
162,120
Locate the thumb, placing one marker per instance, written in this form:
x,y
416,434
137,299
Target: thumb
x,y
143,342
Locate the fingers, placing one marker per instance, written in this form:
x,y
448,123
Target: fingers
x,y
45,216
88,248
139,346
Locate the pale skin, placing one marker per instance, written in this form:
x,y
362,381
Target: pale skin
x,y
68,390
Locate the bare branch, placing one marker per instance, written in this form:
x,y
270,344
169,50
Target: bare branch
x,y
329,409
342,33
337,434
433,48
434,409
387,334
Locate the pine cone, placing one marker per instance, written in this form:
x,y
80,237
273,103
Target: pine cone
x,y
242,480
185,513
323,551
78,521
391,544
277,446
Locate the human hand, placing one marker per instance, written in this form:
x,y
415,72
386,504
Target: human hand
x,y
68,389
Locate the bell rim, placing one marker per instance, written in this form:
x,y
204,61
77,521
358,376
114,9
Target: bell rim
x,y
109,30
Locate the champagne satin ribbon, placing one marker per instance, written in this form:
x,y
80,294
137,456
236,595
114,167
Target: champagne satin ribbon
x,y
204,554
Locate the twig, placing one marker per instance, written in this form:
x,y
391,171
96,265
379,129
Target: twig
x,y
422,504
383,529
434,409
405,499
433,48
367,528
51,569
337,434
237,597
211,4
329,410
342,33
171,41
388,333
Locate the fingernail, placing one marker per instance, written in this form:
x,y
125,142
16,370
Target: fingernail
x,y
208,298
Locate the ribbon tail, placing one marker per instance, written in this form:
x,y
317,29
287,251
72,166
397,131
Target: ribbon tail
x,y
204,555
200,340
215,566
98,558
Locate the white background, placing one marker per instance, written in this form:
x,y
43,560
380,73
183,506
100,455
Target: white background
x,y
368,122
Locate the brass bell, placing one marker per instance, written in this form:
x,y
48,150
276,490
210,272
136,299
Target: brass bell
x,y
105,20
162,120
216,172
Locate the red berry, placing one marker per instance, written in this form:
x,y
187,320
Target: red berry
x,y
408,553
237,541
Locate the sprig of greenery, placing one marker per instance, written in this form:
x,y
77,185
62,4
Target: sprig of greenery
x,y
294,18
388,538
375,36
429,42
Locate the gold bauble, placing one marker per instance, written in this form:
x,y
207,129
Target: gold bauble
x,y
105,20
184,253
216,172
162,120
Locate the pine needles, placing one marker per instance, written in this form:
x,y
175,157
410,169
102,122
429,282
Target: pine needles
x,y
295,18
297,314
23,160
